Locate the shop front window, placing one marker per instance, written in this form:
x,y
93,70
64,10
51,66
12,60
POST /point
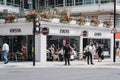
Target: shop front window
x,y
56,43
104,43
58,40
15,45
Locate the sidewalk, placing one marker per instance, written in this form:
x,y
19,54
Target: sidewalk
x,y
107,63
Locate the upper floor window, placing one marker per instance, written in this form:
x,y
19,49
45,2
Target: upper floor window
x,y
118,1
69,2
1,2
79,2
88,1
106,1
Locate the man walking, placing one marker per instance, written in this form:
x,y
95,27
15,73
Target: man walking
x,y
5,50
66,50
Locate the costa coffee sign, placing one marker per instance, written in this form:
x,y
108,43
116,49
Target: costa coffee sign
x,y
15,30
65,31
45,31
85,33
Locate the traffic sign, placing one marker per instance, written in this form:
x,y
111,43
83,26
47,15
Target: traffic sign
x,y
113,30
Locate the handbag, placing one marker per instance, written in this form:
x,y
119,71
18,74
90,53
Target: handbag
x,y
102,57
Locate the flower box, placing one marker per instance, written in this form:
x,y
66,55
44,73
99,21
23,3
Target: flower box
x,y
10,18
81,20
95,22
47,15
107,23
65,18
31,15
21,20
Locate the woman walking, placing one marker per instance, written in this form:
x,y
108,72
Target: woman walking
x,y
99,51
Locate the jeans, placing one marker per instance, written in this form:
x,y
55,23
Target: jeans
x,y
5,54
67,59
89,57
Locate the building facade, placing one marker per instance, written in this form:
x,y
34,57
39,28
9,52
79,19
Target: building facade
x,y
58,32
16,34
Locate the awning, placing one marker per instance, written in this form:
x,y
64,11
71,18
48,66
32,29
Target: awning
x,y
117,35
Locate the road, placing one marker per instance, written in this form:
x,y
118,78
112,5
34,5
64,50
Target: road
x,y
54,73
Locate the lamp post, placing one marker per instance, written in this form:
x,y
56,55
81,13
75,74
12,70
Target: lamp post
x,y
33,49
36,30
33,15
33,42
114,55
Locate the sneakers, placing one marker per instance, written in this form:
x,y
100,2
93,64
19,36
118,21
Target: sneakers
x,y
92,63
6,62
66,64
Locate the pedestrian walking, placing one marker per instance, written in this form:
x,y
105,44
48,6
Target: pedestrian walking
x,y
117,53
89,49
66,50
99,52
5,50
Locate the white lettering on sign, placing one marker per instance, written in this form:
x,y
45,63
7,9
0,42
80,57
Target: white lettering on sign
x,y
15,30
64,31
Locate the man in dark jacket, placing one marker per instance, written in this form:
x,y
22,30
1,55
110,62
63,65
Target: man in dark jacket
x,y
66,50
99,51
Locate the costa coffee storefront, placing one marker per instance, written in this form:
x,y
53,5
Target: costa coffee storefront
x,y
17,34
101,36
74,34
58,34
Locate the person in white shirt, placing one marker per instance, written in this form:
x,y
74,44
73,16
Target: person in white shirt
x,y
89,49
5,50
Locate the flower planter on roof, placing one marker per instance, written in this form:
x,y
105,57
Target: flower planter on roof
x,y
95,22
81,21
107,24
